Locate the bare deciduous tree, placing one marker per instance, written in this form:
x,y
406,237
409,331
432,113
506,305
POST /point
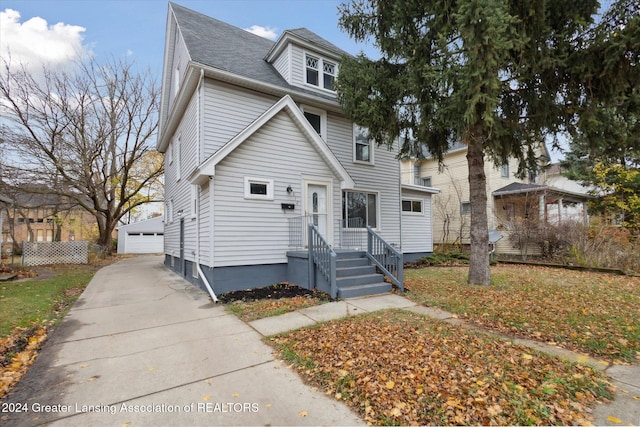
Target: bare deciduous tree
x,y
82,133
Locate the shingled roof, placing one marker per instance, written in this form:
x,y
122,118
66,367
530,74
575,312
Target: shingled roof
x,y
222,46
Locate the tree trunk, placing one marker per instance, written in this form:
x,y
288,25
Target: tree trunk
x,y
479,260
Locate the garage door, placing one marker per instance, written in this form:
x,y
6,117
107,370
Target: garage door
x,y
145,243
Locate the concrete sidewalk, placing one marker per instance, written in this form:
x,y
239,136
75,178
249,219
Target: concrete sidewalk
x,y
144,347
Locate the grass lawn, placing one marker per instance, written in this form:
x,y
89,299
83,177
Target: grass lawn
x,y
400,368
35,302
28,308
598,314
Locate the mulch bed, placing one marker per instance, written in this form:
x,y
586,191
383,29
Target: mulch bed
x,y
277,291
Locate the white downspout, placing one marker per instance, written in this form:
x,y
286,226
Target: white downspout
x,y
206,284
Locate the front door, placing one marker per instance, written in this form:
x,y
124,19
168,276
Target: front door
x,y
317,208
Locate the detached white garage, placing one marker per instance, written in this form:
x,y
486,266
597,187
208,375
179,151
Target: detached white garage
x,y
144,237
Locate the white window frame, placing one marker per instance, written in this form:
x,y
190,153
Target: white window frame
x,y
253,180
195,191
178,157
170,211
416,173
321,71
323,119
412,201
504,170
176,80
345,213
371,145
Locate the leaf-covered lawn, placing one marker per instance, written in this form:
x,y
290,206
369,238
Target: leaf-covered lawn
x,y
397,367
594,313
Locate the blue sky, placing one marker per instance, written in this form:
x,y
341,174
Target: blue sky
x,y
136,27
54,30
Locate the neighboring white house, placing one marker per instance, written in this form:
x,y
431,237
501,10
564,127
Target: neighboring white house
x,y
257,147
545,194
143,237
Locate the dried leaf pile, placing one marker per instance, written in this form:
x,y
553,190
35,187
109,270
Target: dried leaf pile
x,y
21,272
396,367
590,312
17,352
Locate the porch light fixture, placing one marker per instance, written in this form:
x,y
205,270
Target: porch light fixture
x,y
289,189
180,212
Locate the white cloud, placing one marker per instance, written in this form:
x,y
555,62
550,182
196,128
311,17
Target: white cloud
x,y
35,42
266,32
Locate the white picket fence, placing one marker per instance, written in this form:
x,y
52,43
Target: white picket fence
x,y
45,253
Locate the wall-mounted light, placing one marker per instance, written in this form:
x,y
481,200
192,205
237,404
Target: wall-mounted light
x,y
180,212
289,190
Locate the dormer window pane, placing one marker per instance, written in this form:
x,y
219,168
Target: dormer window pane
x,y
312,71
329,70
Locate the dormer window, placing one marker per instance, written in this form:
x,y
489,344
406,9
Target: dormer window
x,y
315,66
312,70
329,74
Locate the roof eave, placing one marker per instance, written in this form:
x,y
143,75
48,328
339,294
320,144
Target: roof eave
x,y
429,190
288,37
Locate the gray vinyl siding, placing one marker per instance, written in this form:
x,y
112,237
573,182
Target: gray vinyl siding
x,y
179,190
179,62
227,111
297,66
204,226
283,64
417,233
251,231
382,177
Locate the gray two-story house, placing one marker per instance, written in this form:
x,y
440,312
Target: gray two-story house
x,y
266,179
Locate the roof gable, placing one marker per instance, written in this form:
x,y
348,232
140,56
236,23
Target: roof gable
x,y
155,224
216,44
207,168
305,38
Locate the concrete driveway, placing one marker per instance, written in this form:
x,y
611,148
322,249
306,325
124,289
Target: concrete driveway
x,y
144,347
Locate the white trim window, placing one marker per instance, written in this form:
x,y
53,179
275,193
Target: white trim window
x,y
359,209
362,145
320,72
504,170
178,157
317,119
258,188
195,190
169,211
412,206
